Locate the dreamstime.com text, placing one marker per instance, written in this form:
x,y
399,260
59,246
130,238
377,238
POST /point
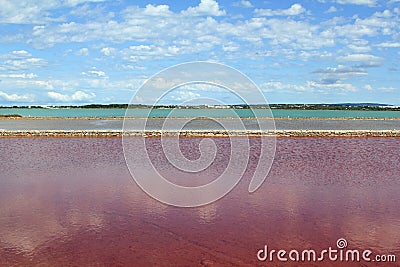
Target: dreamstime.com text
x,y
341,253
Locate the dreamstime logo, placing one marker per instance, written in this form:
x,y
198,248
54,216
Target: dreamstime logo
x,y
341,243
197,74
341,253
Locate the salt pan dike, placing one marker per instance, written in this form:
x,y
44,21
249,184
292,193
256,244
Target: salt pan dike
x,y
196,127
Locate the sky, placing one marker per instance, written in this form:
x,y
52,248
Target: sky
x,y
98,51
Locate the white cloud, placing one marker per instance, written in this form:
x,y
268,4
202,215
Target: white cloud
x,y
16,97
368,87
357,2
19,75
34,12
181,34
58,96
91,12
24,82
46,84
273,86
333,75
138,53
11,38
72,3
20,60
377,25
20,54
162,83
364,60
95,73
357,57
78,96
359,48
295,34
389,44
295,9
108,51
243,3
161,10
230,47
206,7
387,89
184,95
83,52
308,87
353,2
331,9
351,31
327,88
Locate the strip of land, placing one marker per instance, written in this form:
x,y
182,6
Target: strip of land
x,y
45,127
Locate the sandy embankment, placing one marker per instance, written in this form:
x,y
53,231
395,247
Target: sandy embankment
x,y
79,129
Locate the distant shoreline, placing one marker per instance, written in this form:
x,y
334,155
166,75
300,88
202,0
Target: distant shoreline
x,y
339,106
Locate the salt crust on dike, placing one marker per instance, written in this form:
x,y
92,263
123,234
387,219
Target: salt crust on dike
x,y
199,133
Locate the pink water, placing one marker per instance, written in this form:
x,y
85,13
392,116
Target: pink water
x,y
72,202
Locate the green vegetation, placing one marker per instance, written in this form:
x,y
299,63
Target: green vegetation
x,y
10,116
361,106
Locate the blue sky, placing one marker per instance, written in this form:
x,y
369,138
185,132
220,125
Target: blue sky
x,y
98,51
